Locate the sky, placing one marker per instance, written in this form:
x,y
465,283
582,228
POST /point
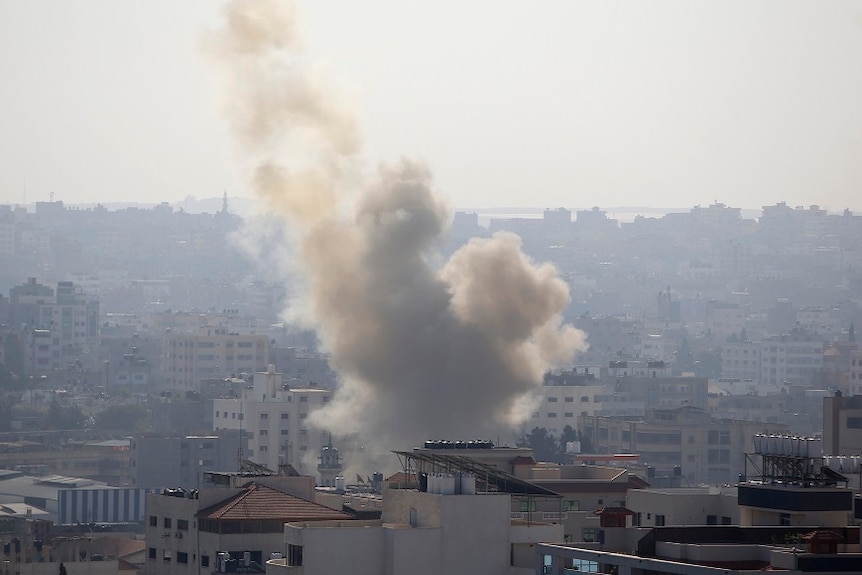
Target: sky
x,y
524,104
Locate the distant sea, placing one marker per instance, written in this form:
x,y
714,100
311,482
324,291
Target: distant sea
x,y
622,214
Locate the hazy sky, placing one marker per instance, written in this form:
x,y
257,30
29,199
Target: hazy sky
x,y
553,103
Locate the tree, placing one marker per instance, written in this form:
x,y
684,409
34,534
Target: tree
x,y
122,418
64,416
544,446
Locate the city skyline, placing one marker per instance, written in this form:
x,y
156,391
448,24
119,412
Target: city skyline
x,y
667,105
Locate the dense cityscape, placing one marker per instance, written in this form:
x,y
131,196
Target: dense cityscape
x,y
323,367
144,349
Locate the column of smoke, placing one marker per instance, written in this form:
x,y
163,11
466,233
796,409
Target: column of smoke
x,y
425,348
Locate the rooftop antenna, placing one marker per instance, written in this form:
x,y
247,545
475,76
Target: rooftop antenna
x,y
224,203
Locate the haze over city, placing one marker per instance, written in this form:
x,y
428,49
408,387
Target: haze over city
x,y
293,287
662,104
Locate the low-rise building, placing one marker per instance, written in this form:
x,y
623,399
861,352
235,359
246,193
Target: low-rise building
x,y
228,529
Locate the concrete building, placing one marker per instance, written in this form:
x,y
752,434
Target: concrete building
x,y
560,405
170,460
724,319
842,425
795,357
228,529
684,445
190,358
683,506
275,417
466,529
59,327
741,361
708,550
583,488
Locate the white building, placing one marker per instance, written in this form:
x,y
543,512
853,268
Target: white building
x,y
275,418
419,533
560,405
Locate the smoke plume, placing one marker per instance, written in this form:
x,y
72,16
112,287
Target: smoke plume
x,y
425,348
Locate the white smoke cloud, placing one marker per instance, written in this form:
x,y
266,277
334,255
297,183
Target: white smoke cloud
x,y
424,350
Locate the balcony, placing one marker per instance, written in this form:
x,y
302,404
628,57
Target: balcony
x,y
280,567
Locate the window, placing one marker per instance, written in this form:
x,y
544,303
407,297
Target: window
x,y
585,399
294,555
152,553
303,399
590,534
285,416
205,560
854,423
568,414
264,416
552,400
712,520
552,415
182,525
154,521
659,520
571,505
182,557
570,399
527,505
166,555
725,520
784,519
284,431
167,522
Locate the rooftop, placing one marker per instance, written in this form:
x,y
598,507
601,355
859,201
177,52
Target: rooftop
x,y
260,502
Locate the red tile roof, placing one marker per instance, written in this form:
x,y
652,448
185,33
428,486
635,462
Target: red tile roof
x,y
262,503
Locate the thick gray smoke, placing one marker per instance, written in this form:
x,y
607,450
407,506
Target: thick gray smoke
x,y
426,348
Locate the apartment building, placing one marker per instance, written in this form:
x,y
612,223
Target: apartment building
x,y
685,442
557,406
583,488
458,521
842,425
189,358
795,357
275,418
173,460
59,326
227,529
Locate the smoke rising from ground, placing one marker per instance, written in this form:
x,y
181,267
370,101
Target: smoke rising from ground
x,y
426,348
